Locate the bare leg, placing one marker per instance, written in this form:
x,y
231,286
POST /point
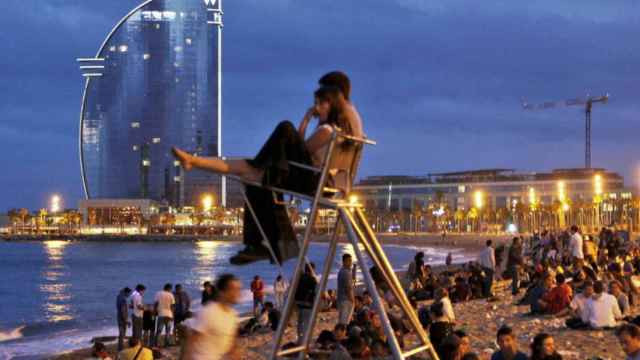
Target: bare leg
x,y
217,165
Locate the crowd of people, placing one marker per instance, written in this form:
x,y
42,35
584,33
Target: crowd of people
x,y
589,284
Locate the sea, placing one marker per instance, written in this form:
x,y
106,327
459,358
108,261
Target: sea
x,y
56,295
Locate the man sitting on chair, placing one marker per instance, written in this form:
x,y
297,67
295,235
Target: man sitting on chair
x,y
271,167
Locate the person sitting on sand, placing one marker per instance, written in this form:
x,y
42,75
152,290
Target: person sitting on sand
x,y
135,351
578,308
508,346
558,298
440,327
629,337
271,166
615,289
543,348
535,297
442,295
100,352
602,309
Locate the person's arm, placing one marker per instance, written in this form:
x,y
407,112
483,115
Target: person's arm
x,y
617,314
319,139
304,123
493,258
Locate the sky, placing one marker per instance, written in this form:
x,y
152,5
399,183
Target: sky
x,y
438,83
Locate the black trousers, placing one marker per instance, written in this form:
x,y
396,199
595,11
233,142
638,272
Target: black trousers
x,y
285,144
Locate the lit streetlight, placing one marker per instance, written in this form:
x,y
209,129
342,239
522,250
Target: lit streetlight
x,y
562,195
56,203
353,199
478,199
532,198
207,202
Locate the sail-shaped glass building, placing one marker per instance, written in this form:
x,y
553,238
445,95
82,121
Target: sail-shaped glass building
x,y
153,84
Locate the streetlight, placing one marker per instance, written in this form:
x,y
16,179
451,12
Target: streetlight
x,y
55,204
353,199
597,198
562,196
207,202
478,199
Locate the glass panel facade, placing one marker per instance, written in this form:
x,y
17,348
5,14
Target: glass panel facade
x,y
158,90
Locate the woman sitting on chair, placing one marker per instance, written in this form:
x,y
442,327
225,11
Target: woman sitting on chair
x,y
271,167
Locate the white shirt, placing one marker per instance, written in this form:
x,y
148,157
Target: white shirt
x,y
280,286
578,304
165,299
217,327
448,309
487,258
603,311
136,302
576,246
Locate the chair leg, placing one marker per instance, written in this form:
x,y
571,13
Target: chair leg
x,y
265,239
326,270
378,256
377,302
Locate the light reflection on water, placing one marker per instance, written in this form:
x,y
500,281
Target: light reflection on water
x,y
55,288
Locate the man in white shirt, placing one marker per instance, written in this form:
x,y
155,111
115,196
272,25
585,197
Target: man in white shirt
x,y
487,260
602,309
164,303
576,244
137,306
442,295
213,333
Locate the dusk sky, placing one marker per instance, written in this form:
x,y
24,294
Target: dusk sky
x,y
438,82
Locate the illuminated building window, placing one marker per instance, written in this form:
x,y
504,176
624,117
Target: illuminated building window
x,y
178,48
177,179
157,26
461,188
135,125
146,162
155,140
112,48
123,48
146,56
176,163
188,41
135,147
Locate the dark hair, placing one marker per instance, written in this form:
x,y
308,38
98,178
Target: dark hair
x,y
629,329
326,337
560,279
224,280
279,277
336,113
339,80
206,283
489,242
419,255
140,287
574,228
346,256
437,309
536,346
504,330
450,347
256,277
167,286
460,333
340,327
470,356
268,305
178,287
598,287
356,345
126,290
98,347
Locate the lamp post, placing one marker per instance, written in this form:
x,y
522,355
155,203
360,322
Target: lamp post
x,y
562,197
55,204
597,198
478,202
533,204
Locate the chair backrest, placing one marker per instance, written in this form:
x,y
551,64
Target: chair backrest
x,y
344,164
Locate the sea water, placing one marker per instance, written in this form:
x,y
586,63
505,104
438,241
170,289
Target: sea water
x,y
55,296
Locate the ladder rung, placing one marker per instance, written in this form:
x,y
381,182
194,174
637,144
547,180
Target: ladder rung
x,y
291,350
304,166
419,349
331,190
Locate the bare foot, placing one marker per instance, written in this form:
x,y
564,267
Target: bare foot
x,y
183,157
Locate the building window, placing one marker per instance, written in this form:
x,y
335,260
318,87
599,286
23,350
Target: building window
x,y
155,140
146,56
135,125
188,41
112,48
135,148
146,163
461,188
178,49
123,48
177,178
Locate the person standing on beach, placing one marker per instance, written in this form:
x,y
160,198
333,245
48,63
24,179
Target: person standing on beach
x,y
279,291
123,316
138,311
181,309
213,333
576,244
514,261
209,293
487,260
346,293
257,288
304,296
164,304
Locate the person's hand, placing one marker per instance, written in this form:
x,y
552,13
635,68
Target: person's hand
x,y
311,113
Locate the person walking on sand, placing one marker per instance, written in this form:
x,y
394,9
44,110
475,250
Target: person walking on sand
x,y
164,304
213,333
123,316
487,260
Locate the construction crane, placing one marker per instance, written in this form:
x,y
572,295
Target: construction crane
x,y
587,102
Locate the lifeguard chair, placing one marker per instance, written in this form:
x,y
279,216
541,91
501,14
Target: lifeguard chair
x,y
334,194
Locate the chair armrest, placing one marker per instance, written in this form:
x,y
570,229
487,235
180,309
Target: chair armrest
x,y
357,139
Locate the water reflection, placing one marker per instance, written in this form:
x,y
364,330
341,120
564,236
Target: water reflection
x,y
55,286
206,253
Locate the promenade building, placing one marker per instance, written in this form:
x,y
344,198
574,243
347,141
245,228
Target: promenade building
x,y
154,83
492,187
